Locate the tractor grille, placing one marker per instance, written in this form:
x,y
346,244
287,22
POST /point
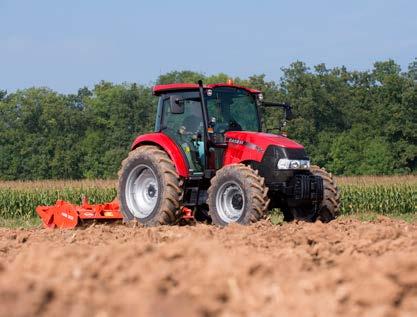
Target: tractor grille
x,y
308,187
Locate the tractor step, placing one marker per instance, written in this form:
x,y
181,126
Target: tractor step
x,y
66,215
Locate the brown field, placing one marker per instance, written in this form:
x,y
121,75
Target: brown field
x,y
345,268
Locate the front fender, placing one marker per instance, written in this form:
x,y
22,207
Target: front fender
x,y
168,145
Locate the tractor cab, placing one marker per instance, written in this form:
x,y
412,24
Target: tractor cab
x,y
199,118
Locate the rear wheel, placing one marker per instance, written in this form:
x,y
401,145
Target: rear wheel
x,y
329,207
149,187
237,194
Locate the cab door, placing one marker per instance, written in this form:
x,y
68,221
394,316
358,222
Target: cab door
x,y
186,129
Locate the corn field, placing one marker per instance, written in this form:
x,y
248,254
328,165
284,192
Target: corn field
x,y
384,195
21,202
382,199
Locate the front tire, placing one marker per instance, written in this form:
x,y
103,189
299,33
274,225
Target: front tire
x,y
237,194
329,207
149,188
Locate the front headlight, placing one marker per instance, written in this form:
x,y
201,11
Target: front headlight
x,y
294,165
286,164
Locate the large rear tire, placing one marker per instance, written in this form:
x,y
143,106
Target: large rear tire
x,y
329,207
149,188
237,194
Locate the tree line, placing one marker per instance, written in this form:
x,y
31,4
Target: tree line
x,y
351,122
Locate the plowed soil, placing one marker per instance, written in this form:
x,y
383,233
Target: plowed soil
x,y
345,268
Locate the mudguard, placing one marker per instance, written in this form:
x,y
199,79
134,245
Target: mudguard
x,y
169,146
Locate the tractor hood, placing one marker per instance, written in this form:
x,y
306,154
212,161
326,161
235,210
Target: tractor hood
x,y
260,140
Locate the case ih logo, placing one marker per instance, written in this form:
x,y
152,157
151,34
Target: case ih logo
x,y
236,141
244,143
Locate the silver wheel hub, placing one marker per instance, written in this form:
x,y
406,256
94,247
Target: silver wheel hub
x,y
230,202
141,191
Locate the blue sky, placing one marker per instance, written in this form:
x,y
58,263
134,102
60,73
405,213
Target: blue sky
x,y
65,45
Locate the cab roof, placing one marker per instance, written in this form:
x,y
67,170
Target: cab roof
x,y
160,89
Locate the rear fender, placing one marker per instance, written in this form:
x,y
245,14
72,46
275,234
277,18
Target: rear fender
x,y
170,147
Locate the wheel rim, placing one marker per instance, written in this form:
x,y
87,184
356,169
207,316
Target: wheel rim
x,y
141,191
230,202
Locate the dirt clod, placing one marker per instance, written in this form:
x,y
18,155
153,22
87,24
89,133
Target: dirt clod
x,y
344,268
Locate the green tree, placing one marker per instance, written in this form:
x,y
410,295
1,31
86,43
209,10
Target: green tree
x,y
3,94
352,122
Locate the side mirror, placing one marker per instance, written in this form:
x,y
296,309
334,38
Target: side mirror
x,y
176,104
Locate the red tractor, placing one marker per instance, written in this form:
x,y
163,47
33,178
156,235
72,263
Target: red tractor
x,y
208,159
209,156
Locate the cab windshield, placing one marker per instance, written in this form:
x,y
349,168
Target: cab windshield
x,y
232,109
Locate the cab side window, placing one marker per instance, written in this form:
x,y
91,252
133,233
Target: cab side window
x,y
186,129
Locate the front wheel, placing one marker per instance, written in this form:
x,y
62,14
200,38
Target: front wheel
x,y
329,207
237,194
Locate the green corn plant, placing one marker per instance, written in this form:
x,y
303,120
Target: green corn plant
x,y
20,201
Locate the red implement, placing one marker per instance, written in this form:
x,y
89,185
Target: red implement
x,y
187,214
66,215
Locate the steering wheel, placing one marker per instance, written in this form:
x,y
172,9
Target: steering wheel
x,y
221,127
234,126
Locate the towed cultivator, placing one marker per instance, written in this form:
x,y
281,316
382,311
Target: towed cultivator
x,y
66,215
209,159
